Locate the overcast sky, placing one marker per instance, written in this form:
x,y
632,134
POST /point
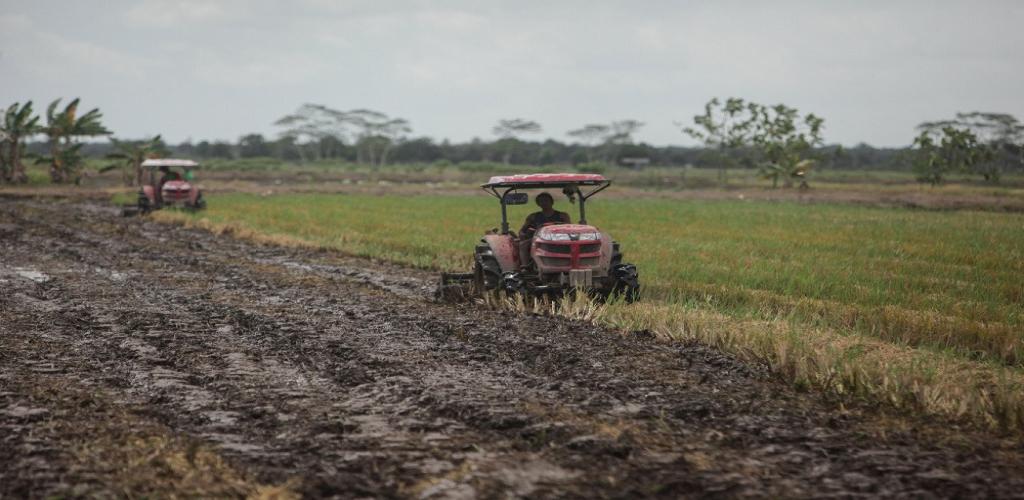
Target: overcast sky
x,y
207,69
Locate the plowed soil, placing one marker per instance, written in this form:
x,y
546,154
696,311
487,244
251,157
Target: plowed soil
x,y
144,359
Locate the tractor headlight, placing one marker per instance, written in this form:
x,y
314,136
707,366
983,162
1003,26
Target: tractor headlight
x,y
554,236
589,236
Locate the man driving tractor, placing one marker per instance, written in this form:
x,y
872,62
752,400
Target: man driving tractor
x,y
166,175
536,220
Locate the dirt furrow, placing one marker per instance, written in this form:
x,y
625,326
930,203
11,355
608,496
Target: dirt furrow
x,y
341,377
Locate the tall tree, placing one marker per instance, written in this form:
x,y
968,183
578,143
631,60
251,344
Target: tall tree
x,y
18,124
620,133
1001,132
608,138
591,135
378,134
725,128
508,132
951,149
63,130
132,154
311,123
253,146
787,141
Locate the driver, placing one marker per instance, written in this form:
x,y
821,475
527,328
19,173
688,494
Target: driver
x,y
166,175
536,220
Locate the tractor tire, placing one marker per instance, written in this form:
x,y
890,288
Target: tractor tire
x,y
486,275
627,283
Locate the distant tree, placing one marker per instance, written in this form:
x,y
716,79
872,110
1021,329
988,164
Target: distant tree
x,y
1001,132
253,146
940,153
508,132
591,135
285,148
421,149
608,139
725,128
18,124
547,157
311,123
63,129
620,133
132,154
203,149
378,134
222,149
787,142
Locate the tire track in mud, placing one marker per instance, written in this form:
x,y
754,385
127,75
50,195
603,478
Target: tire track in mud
x,y
337,374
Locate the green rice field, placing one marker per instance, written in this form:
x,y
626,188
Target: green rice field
x,y
883,302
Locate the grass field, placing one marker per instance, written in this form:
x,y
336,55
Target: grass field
x,y
916,308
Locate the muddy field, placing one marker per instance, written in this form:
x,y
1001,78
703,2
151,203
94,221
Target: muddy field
x,y
138,358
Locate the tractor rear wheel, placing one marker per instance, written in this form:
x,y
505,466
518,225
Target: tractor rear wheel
x,y
486,275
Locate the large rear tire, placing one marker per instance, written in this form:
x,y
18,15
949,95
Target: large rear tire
x,y
486,275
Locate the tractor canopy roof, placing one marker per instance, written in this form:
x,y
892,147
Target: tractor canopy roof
x,y
154,163
545,180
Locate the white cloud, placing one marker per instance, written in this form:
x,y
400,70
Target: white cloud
x,y
253,70
33,50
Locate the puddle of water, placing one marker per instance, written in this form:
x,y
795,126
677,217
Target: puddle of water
x,y
31,274
113,275
221,418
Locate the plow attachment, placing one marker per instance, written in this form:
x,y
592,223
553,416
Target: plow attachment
x,y
130,210
454,287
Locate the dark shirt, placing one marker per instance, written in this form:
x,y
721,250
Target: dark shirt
x,y
537,220
170,176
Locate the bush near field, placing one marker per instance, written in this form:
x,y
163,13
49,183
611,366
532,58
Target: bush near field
x,y
915,308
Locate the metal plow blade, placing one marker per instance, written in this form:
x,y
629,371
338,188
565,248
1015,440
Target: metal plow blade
x,y
454,287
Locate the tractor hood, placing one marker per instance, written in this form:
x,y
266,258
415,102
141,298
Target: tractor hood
x,y
568,232
177,186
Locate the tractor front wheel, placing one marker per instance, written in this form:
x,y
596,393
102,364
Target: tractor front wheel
x,y
627,282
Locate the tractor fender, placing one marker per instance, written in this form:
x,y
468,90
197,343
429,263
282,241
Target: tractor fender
x,y
606,255
504,249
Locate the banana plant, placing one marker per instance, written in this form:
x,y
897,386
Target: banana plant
x,y
132,154
790,175
18,124
63,129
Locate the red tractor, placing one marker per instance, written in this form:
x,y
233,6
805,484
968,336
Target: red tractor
x,y
167,182
563,256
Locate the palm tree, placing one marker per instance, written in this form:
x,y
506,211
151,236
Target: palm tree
x,y
18,124
132,154
62,129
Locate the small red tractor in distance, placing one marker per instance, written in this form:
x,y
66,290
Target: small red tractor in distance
x,y
563,256
167,182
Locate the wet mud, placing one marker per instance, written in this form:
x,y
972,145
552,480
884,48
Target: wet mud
x,y
323,375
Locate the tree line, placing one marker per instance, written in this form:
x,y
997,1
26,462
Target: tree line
x,y
780,142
